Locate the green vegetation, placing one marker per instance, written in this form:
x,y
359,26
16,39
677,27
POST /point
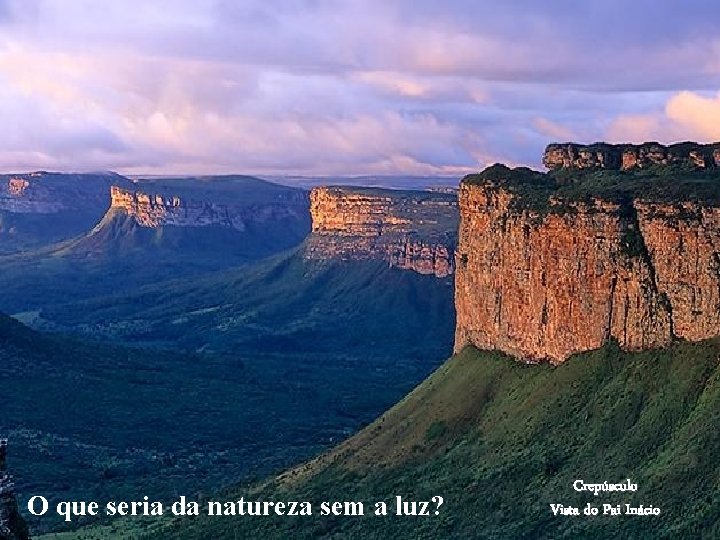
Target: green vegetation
x,y
73,203
124,257
516,438
667,183
285,304
283,359
119,255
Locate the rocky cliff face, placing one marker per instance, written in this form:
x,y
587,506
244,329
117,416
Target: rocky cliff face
x,y
542,285
160,208
413,230
12,525
630,156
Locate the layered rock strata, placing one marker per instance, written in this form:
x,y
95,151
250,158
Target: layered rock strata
x,y
52,193
545,285
158,209
412,230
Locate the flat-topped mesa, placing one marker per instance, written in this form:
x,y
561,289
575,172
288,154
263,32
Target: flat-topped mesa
x,y
630,156
152,207
545,271
12,525
413,230
42,208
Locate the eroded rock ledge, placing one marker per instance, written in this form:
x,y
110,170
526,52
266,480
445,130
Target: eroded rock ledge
x,y
157,209
630,156
413,230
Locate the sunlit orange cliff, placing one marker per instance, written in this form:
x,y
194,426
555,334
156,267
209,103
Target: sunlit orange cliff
x,y
543,273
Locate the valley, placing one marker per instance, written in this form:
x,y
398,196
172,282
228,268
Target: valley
x,y
361,270
583,348
272,348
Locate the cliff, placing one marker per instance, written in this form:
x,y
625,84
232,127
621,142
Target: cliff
x,y
630,156
412,230
232,203
12,525
543,273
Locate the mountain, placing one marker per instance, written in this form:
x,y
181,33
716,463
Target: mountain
x,y
296,352
558,263
159,230
608,271
600,276
626,157
501,442
236,216
376,270
41,208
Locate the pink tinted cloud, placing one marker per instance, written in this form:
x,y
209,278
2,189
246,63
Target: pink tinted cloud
x,y
685,116
343,87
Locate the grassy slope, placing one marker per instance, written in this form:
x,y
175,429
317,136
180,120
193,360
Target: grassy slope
x,y
501,441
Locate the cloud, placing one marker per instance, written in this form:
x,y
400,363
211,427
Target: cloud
x,y
685,116
360,86
701,115
553,130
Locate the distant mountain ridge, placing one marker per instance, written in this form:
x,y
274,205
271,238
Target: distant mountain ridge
x,y
41,208
224,201
231,216
154,230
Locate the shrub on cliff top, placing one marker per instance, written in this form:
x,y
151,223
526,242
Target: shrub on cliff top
x,y
661,183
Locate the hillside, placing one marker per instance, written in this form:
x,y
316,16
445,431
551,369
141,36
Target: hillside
x,y
334,343
41,208
501,441
375,271
159,230
285,304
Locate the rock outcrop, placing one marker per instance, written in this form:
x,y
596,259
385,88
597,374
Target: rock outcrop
x,y
153,208
542,284
413,230
630,156
12,525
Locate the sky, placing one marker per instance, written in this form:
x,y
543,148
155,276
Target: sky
x,y
330,87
